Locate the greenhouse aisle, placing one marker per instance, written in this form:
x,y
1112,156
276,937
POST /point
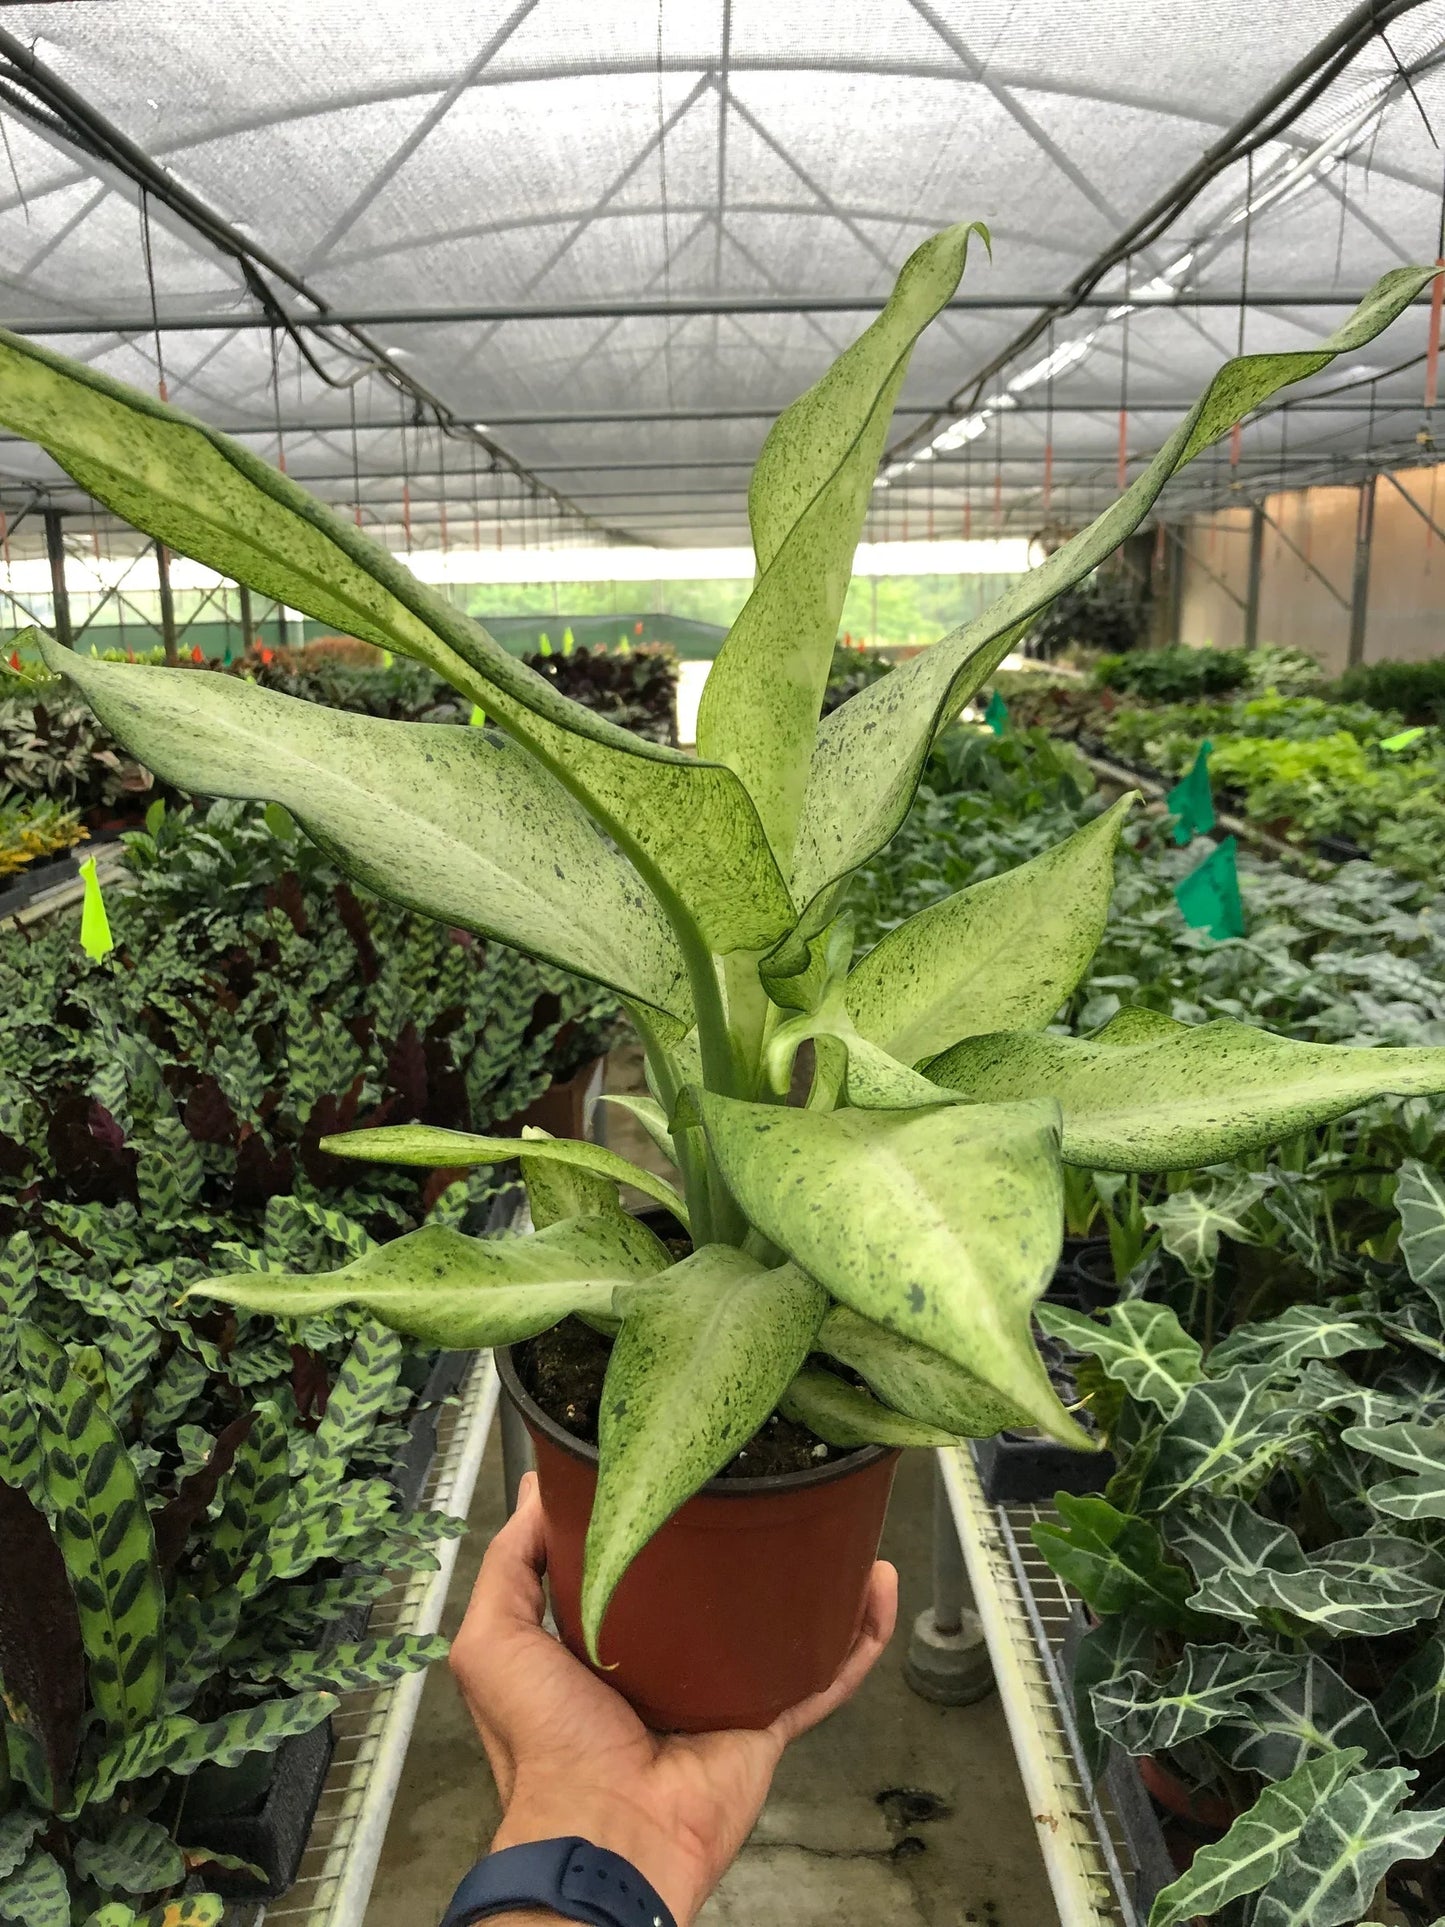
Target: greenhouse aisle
x,y
831,1848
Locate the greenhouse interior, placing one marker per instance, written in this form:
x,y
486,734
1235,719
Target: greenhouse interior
x,y
722,964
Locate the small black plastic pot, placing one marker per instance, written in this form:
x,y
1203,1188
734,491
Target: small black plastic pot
x,y
259,1811
1092,1273
1019,1468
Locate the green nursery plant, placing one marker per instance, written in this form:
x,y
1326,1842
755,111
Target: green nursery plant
x,y
914,1198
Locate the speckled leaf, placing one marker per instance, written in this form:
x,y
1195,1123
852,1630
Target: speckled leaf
x,y
447,821
104,1533
921,1384
179,1745
460,1292
943,1225
872,1080
425,1145
136,1855
1282,1726
871,750
1115,1562
1002,955
1420,1450
1142,1345
650,1115
1256,1845
1149,1094
358,1665
1348,1844
37,1894
846,1416
1412,1706
252,1495
1148,1716
1301,1332
807,500
700,1362
1420,1201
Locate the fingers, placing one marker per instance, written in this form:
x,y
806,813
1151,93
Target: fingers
x,y
508,1592
880,1615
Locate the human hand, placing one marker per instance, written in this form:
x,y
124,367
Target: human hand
x,y
570,1756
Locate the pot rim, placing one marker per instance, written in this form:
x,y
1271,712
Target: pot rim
x,y
777,1482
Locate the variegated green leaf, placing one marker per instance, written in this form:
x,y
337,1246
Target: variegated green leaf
x,y
845,1415
1420,1450
1353,1837
701,1360
1142,1345
1256,1845
422,1144
362,1392
359,1665
1301,1332
1002,955
650,1115
943,1225
921,1384
1119,1643
1116,1563
179,1745
104,1533
252,1496
1225,1437
115,1913
1282,1726
1420,1201
198,1631
461,1292
37,1894
134,1855
191,1910
172,1394
1203,1689
1191,1223
1149,1094
18,1828
1412,1706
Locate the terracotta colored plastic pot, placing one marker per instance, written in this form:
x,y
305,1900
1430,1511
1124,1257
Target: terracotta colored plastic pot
x,y
1196,1805
745,1602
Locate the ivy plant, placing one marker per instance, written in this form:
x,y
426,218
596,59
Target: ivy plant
x,y
919,1184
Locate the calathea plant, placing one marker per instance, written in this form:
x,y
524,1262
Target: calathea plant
x,y
908,1214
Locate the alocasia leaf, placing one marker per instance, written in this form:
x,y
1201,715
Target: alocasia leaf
x,y
1205,1688
1225,1436
1142,1345
1120,1643
1150,1094
700,1362
460,1292
807,500
1232,1551
1280,1727
1114,1561
1002,955
870,750
1420,1449
1257,1844
1301,1332
1353,1837
1190,1223
943,1225
1420,1201
426,1145
846,1415
1412,1706
920,1383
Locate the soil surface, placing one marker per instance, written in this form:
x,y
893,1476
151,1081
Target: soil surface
x,y
563,1370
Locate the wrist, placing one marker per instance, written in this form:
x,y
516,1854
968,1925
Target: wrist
x,y
617,1824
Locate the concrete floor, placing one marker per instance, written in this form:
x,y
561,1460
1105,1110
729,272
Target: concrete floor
x,y
831,1849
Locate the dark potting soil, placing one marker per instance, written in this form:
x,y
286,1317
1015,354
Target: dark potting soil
x,y
563,1370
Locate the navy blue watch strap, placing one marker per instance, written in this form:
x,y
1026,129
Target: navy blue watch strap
x,y
576,1880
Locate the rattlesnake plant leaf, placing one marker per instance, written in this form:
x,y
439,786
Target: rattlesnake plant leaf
x,y
1149,1094
1115,1562
37,1894
174,1521
18,1828
446,821
424,1144
135,1855
1301,1332
253,1496
1420,1449
104,1534
1190,1223
1280,1727
1002,955
363,1388
20,1456
1257,1844
702,1358
1353,1837
460,1292
871,750
358,1665
845,1415
179,1745
1420,1201
114,1913
808,497
19,1282
919,1383
1205,1688
942,1225
1120,1643
1412,1706
42,1655
198,1631
191,1910
1143,1346
1226,1436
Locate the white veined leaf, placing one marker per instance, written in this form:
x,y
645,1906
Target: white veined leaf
x,y
1143,1346
1354,1836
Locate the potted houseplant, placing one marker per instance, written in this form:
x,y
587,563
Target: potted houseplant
x,y
902,1219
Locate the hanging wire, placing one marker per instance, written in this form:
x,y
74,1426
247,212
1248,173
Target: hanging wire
x,y
1049,427
276,403
150,268
355,454
442,490
1123,475
1236,437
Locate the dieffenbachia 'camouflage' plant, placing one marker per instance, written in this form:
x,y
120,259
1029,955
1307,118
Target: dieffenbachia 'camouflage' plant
x,y
919,1185
1279,1509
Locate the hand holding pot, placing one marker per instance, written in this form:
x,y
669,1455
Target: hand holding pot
x,y
570,1756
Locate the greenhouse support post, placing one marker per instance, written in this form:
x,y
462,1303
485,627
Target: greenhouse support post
x,y
1251,592
247,628
947,1659
55,549
1360,592
168,602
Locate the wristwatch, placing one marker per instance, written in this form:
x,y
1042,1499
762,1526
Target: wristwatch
x,y
576,1880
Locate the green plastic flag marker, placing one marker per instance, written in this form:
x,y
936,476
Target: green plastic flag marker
x,y
1191,801
95,938
226,659
568,643
478,716
996,715
544,644
1403,740
1209,896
